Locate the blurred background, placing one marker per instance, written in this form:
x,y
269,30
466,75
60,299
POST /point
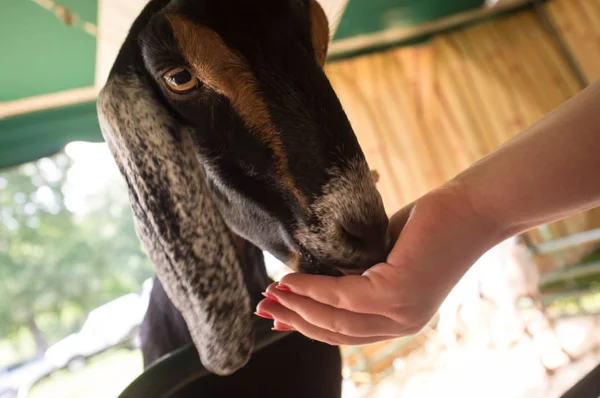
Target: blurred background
x,y
430,86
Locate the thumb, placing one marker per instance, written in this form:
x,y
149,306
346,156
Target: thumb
x,y
399,220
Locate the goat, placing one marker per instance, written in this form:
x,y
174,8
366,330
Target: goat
x,y
233,142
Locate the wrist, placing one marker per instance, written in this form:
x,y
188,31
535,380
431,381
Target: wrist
x,y
474,229
442,238
494,208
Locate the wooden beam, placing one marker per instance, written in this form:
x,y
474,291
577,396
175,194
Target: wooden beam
x,y
570,273
47,101
334,9
115,17
577,239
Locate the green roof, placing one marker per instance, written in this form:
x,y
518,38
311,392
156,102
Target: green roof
x,y
43,55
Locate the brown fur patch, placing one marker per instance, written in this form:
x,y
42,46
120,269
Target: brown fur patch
x,y
319,31
375,176
223,70
294,261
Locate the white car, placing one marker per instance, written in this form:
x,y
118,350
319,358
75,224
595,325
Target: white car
x,y
112,324
25,373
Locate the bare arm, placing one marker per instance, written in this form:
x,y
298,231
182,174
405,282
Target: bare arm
x,y
545,173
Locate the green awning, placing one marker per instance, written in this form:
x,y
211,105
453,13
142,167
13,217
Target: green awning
x,y
32,136
364,17
54,57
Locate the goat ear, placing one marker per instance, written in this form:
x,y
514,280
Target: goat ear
x,y
179,225
319,31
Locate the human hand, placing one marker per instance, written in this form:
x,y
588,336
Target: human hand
x,y
438,238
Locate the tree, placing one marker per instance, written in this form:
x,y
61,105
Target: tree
x,y
53,260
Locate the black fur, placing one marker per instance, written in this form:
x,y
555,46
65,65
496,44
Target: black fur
x,y
341,225
273,36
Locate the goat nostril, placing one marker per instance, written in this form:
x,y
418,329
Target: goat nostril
x,y
353,236
369,237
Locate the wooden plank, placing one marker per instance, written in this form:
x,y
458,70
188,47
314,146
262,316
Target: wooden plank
x,y
577,239
570,273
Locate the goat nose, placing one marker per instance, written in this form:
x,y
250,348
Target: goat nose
x,y
368,237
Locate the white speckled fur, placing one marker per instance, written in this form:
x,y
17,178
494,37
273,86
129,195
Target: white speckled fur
x,y
178,223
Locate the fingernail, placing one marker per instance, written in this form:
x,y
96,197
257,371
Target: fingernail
x,y
270,297
283,288
283,328
263,315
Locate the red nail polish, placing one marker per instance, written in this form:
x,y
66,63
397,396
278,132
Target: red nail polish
x,y
283,328
263,315
270,297
283,288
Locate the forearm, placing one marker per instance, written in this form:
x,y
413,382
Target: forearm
x,y
545,173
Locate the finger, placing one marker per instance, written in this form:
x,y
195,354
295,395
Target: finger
x,y
334,319
285,316
282,327
365,294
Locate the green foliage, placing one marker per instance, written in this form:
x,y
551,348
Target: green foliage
x,y
55,264
593,257
578,304
590,282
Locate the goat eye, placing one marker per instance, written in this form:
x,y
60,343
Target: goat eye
x,y
181,80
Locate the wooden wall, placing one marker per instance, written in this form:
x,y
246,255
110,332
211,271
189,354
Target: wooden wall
x,y
423,113
578,22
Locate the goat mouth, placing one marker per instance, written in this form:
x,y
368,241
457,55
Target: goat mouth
x,y
310,264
